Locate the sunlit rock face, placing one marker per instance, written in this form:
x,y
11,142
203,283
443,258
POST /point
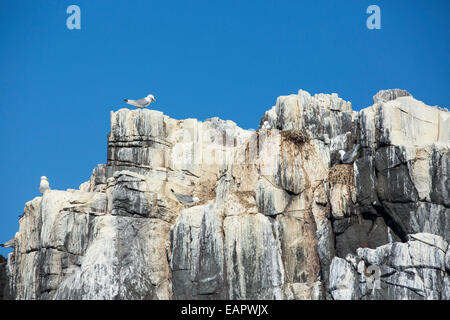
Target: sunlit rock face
x,y
278,216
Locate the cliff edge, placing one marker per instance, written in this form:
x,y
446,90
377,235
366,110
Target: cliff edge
x,y
279,216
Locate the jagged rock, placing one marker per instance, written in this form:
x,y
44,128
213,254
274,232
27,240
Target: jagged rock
x,y
404,169
404,122
343,280
412,270
323,116
388,95
197,254
278,216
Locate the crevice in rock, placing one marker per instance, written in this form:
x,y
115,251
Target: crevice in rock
x,y
416,291
50,248
394,226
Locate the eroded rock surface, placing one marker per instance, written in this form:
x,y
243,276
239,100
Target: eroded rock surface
x,y
414,270
279,216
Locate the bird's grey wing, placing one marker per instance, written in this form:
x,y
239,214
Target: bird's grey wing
x,y
346,156
183,198
142,102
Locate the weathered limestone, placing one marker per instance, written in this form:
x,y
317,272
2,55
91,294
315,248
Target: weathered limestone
x,y
388,95
323,116
413,270
278,218
404,169
197,254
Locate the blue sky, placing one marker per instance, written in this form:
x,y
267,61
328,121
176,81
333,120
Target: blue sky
x,y
200,59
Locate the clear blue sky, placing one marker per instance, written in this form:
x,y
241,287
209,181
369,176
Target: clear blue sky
x,y
200,59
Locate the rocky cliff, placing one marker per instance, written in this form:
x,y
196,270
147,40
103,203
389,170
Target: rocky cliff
x,y
279,216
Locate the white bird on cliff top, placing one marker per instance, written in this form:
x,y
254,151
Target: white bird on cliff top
x,y
266,125
185,199
141,103
44,186
349,156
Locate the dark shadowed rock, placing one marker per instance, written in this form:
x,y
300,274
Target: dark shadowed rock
x,y
3,278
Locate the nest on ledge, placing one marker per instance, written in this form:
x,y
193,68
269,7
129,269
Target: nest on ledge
x,y
298,137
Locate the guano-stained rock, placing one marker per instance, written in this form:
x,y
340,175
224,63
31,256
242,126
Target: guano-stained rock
x,y
279,216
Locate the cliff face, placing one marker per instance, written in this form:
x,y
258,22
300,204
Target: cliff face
x,y
278,218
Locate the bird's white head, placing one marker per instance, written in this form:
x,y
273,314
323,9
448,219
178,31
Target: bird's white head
x,y
341,152
44,178
150,97
195,199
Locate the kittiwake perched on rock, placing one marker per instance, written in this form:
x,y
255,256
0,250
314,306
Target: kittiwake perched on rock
x,y
44,186
141,103
10,244
349,156
185,199
266,125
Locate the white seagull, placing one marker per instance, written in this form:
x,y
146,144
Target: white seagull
x,y
185,199
44,186
141,103
349,156
266,125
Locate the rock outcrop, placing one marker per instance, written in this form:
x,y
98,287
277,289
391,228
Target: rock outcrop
x,y
414,270
278,218
3,278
